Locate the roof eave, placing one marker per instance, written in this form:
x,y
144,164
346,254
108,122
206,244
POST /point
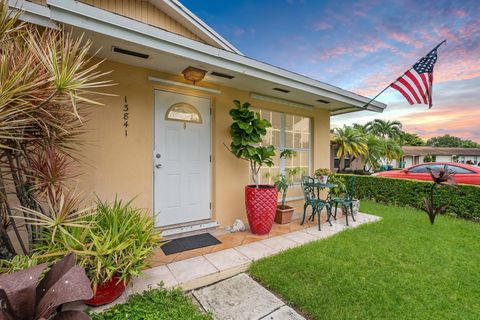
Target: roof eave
x,y
33,13
86,17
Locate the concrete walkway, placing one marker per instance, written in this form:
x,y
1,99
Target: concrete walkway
x,y
242,298
213,267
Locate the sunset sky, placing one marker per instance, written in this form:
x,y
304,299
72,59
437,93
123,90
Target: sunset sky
x,y
363,46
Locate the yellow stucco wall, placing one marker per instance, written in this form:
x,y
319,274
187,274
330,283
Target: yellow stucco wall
x,y
115,164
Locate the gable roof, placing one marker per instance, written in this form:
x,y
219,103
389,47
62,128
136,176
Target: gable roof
x,y
174,51
440,151
179,12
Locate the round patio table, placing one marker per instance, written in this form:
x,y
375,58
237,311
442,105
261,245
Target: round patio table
x,y
320,186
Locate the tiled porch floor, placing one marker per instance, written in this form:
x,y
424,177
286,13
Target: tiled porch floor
x,y
232,240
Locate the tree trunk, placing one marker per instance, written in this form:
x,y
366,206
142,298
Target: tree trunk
x,y
341,163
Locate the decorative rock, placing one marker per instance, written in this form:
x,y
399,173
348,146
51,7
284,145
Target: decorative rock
x,y
238,225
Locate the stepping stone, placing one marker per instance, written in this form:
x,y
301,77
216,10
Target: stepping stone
x,y
238,298
284,313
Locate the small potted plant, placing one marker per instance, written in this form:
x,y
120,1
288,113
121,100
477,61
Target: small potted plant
x,y
322,174
247,131
283,181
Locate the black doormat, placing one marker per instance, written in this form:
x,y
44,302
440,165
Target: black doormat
x,y
189,243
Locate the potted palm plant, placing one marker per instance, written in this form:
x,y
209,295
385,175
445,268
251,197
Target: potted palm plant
x,y
283,182
247,131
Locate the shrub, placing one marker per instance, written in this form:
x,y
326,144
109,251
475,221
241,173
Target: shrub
x,y
462,201
48,81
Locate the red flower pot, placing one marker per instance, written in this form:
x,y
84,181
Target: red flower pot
x,y
107,292
261,204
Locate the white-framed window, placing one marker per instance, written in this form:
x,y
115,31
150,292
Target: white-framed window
x,y
292,132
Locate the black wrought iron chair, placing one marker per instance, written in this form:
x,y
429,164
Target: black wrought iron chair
x,y
312,199
345,202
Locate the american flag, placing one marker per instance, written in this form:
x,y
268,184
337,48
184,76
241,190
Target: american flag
x,y
416,84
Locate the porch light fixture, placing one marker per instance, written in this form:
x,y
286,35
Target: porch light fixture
x,y
193,74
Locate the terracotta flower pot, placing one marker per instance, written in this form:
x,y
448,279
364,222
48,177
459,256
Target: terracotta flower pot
x,y
284,215
261,204
107,292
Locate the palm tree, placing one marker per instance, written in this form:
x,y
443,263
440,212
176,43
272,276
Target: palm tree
x,y
362,128
391,150
349,141
371,160
385,128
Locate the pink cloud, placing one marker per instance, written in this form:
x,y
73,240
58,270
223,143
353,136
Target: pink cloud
x,y
359,13
375,45
404,38
434,122
459,13
334,52
238,32
445,33
321,25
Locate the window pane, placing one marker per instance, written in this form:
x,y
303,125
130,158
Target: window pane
x,y
419,169
302,124
455,169
296,135
305,142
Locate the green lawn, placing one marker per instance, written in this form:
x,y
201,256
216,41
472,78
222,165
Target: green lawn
x,y
156,304
399,268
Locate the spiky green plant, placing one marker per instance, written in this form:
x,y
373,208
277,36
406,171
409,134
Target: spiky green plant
x,y
118,240
47,78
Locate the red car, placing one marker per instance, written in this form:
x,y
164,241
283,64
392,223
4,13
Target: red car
x,y
463,173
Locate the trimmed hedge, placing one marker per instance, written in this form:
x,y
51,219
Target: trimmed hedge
x,y
462,200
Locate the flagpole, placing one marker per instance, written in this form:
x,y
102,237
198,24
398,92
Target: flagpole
x,y
384,89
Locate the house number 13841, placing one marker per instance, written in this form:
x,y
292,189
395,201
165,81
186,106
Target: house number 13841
x,y
125,116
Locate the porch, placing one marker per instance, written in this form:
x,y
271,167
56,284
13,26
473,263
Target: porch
x,y
197,268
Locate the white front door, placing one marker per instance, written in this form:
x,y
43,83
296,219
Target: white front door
x,y
181,160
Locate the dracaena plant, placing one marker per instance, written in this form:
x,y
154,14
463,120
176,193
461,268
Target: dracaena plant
x,y
47,79
247,131
440,177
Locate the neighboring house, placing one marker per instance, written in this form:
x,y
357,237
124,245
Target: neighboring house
x,y
336,163
416,155
180,170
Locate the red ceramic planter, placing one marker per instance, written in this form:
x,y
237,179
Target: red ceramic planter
x,y
107,292
261,204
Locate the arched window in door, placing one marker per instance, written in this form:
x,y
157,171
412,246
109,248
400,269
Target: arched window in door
x,y
183,112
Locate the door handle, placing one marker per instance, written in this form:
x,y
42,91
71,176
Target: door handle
x,y
158,166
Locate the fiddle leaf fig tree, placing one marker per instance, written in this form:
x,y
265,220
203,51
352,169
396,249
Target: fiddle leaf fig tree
x,y
247,131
